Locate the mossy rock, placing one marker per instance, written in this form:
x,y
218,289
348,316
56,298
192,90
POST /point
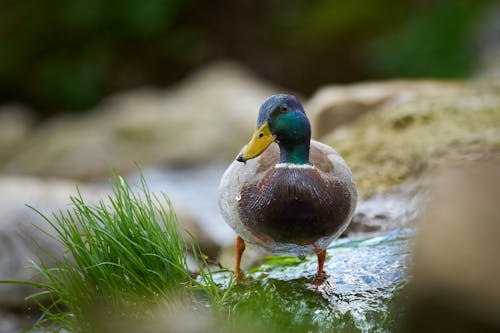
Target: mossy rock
x,y
391,144
186,125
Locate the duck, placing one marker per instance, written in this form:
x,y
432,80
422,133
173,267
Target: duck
x,y
285,193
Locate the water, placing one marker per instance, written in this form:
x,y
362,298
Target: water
x,y
194,190
366,277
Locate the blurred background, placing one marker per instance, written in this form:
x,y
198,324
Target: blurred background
x,y
59,56
402,89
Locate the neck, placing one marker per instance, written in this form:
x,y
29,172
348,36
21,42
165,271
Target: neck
x,y
295,154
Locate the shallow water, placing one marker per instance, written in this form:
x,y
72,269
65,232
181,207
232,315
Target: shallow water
x,y
366,278
195,190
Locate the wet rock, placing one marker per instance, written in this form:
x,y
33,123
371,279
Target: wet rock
x,y
21,239
9,323
23,235
208,116
17,322
366,277
16,122
487,41
456,265
392,210
336,105
398,141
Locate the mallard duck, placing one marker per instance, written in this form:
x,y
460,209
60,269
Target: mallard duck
x,y
286,193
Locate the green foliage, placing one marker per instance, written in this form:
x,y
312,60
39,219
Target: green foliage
x,y
434,43
124,257
67,55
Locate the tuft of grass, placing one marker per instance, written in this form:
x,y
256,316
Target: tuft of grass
x,y
125,256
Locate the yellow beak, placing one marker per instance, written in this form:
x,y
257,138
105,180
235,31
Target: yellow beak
x,y
261,139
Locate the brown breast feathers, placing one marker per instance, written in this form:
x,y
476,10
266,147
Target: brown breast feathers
x,y
294,206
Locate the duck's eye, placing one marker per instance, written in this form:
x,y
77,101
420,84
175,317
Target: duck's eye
x,y
261,135
284,108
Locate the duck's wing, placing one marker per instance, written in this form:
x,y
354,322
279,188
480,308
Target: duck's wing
x,y
333,167
236,176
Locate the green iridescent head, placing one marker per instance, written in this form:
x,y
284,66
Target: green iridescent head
x,y
283,120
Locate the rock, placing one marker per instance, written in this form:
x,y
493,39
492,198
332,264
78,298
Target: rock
x,y
16,122
210,115
456,266
396,209
398,141
487,41
15,322
336,105
22,239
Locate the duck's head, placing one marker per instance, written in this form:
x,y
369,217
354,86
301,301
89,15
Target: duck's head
x,y
281,119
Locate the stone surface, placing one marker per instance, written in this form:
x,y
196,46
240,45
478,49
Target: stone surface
x,y
18,322
16,122
456,265
21,241
208,116
396,142
21,235
384,212
336,105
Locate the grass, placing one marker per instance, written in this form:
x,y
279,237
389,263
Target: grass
x,y
125,256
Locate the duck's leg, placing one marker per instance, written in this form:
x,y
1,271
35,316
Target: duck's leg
x,y
321,262
321,275
240,247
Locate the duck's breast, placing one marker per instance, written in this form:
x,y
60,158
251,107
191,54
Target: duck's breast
x,y
295,204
